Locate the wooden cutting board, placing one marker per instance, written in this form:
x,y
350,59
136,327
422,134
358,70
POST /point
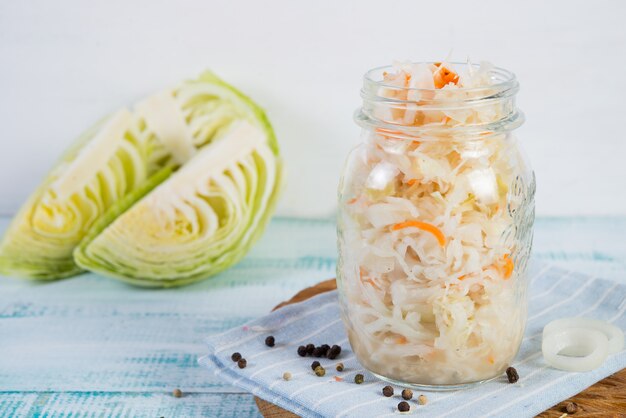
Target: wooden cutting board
x,y
606,398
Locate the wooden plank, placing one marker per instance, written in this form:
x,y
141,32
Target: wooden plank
x,y
95,334
589,245
126,404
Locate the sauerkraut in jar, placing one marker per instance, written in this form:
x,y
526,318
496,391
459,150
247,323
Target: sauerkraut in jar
x,y
436,209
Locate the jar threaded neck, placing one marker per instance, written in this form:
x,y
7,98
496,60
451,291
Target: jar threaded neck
x,y
449,110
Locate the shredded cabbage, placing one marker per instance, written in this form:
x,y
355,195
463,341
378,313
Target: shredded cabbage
x,y
430,283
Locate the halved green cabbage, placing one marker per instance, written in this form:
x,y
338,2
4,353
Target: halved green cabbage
x,y
109,161
112,165
201,220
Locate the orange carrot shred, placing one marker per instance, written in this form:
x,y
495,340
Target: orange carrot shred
x,y
507,269
444,76
411,182
353,200
423,226
387,132
401,340
371,282
338,379
464,276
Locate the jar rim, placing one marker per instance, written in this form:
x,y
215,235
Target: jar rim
x,y
506,84
381,99
432,132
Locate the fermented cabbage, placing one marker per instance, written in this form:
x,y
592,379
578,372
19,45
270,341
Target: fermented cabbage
x,y
430,261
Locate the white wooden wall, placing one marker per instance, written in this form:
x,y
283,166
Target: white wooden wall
x,y
64,64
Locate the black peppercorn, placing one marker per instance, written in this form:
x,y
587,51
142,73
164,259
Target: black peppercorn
x,y
404,406
315,364
388,391
235,357
571,407
269,341
407,394
318,352
512,375
334,352
339,367
358,379
302,351
242,363
310,348
325,348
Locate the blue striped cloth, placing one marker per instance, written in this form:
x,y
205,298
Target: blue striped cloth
x,y
554,293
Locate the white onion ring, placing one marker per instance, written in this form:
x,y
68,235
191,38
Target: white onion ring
x,y
592,344
613,333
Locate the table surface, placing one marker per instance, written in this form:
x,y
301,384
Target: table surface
x,y
92,346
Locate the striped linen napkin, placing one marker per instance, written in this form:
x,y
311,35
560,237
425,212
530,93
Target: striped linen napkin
x,y
554,293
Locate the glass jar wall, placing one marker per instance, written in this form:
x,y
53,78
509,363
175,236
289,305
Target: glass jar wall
x,y
436,208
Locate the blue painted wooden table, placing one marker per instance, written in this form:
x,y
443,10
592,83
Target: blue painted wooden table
x,y
91,346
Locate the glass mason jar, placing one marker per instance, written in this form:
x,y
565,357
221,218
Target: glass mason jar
x,y
435,226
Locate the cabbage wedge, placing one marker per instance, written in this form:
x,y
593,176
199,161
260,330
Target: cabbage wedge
x,y
113,165
201,220
108,162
